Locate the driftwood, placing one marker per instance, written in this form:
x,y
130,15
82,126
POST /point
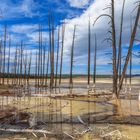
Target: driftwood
x,y
25,131
114,133
102,131
69,135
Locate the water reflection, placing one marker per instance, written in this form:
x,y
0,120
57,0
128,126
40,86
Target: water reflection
x,y
60,113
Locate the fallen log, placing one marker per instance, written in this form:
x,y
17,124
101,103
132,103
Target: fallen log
x,y
69,135
25,131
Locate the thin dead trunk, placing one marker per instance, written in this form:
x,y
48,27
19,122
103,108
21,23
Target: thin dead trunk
x,y
1,61
47,70
21,63
9,55
95,57
4,47
62,47
72,54
89,48
52,56
57,57
29,68
119,62
114,49
132,39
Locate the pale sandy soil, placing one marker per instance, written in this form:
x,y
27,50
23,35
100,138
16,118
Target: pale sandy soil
x,y
135,80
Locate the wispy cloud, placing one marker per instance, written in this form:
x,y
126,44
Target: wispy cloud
x,y
24,28
19,9
78,3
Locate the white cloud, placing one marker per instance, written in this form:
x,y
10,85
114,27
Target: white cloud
x,y
34,37
78,3
27,7
100,28
22,9
24,28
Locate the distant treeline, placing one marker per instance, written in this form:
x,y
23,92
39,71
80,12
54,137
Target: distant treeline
x,y
64,76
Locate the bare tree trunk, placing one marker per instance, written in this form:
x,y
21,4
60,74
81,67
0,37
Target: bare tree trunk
x,y
50,44
61,62
1,61
5,36
95,54
52,56
36,70
29,68
114,50
15,67
44,61
57,57
72,54
47,70
130,72
9,55
89,48
129,49
39,55
21,63
119,62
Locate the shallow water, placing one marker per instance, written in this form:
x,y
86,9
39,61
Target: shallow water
x,y
62,113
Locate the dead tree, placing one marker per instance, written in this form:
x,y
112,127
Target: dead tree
x,y
95,58
52,54
117,64
47,69
51,49
114,48
15,66
56,76
25,68
4,48
89,50
72,54
62,47
1,61
29,68
132,39
21,63
9,55
36,68
41,56
44,61
130,70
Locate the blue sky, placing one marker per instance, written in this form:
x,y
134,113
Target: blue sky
x,y
23,16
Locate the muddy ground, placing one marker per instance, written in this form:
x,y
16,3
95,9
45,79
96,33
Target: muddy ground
x,y
58,113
